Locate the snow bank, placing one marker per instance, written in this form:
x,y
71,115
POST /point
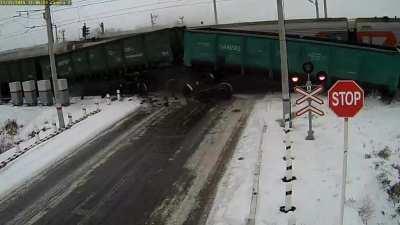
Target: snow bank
x,y
317,166
57,148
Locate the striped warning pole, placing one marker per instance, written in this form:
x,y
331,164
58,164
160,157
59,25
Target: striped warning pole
x,y
70,120
37,136
108,99
84,114
54,126
97,106
118,95
289,178
17,145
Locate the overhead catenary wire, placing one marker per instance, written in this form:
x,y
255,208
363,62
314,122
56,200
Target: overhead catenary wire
x,y
5,19
149,5
12,18
78,6
95,16
98,17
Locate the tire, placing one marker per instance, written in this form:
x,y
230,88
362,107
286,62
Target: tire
x,y
225,90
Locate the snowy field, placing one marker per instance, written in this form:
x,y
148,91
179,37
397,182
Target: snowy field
x,y
42,156
373,169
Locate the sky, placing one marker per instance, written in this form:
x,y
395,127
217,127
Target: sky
x,y
27,30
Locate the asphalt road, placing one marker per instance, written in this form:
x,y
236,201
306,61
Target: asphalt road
x,y
118,178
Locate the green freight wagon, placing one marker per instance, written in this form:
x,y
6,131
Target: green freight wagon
x,y
134,52
4,74
176,35
247,51
97,60
44,63
80,63
28,69
158,48
115,56
4,80
14,70
65,66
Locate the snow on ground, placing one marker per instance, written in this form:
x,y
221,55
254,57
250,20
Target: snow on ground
x,y
42,156
317,166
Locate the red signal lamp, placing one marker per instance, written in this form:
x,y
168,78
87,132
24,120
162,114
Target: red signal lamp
x,y
295,79
321,77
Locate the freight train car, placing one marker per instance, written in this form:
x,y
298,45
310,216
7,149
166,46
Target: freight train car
x,y
331,28
378,31
247,51
98,62
369,31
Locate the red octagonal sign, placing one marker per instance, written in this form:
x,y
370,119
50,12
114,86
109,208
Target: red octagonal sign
x,y
346,98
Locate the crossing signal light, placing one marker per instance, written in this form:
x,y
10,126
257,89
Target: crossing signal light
x,y
85,31
321,76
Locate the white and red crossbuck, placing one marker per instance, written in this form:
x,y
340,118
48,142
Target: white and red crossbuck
x,y
309,96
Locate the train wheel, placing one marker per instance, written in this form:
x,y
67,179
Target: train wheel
x,y
225,90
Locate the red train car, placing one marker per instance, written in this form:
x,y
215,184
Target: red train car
x,y
378,31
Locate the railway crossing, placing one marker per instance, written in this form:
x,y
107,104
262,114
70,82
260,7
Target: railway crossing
x,y
309,96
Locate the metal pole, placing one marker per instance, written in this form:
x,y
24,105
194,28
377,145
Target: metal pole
x,y
317,8
55,27
284,66
325,9
63,35
53,68
310,134
215,11
344,172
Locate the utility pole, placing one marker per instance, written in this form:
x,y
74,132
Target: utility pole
x,y
153,19
47,17
85,31
102,28
215,12
55,27
325,9
315,3
63,35
284,66
180,21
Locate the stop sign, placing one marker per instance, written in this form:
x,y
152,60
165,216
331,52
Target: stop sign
x,y
346,98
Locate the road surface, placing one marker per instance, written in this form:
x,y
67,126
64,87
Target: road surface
x,y
121,177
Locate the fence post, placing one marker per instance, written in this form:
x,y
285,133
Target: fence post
x,y
70,119
84,111
54,126
97,103
108,100
118,95
37,136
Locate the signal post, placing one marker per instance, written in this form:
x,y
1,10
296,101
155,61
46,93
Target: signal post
x,y
346,99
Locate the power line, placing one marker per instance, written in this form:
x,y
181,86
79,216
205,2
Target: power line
x,y
135,6
80,6
28,30
95,17
55,10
